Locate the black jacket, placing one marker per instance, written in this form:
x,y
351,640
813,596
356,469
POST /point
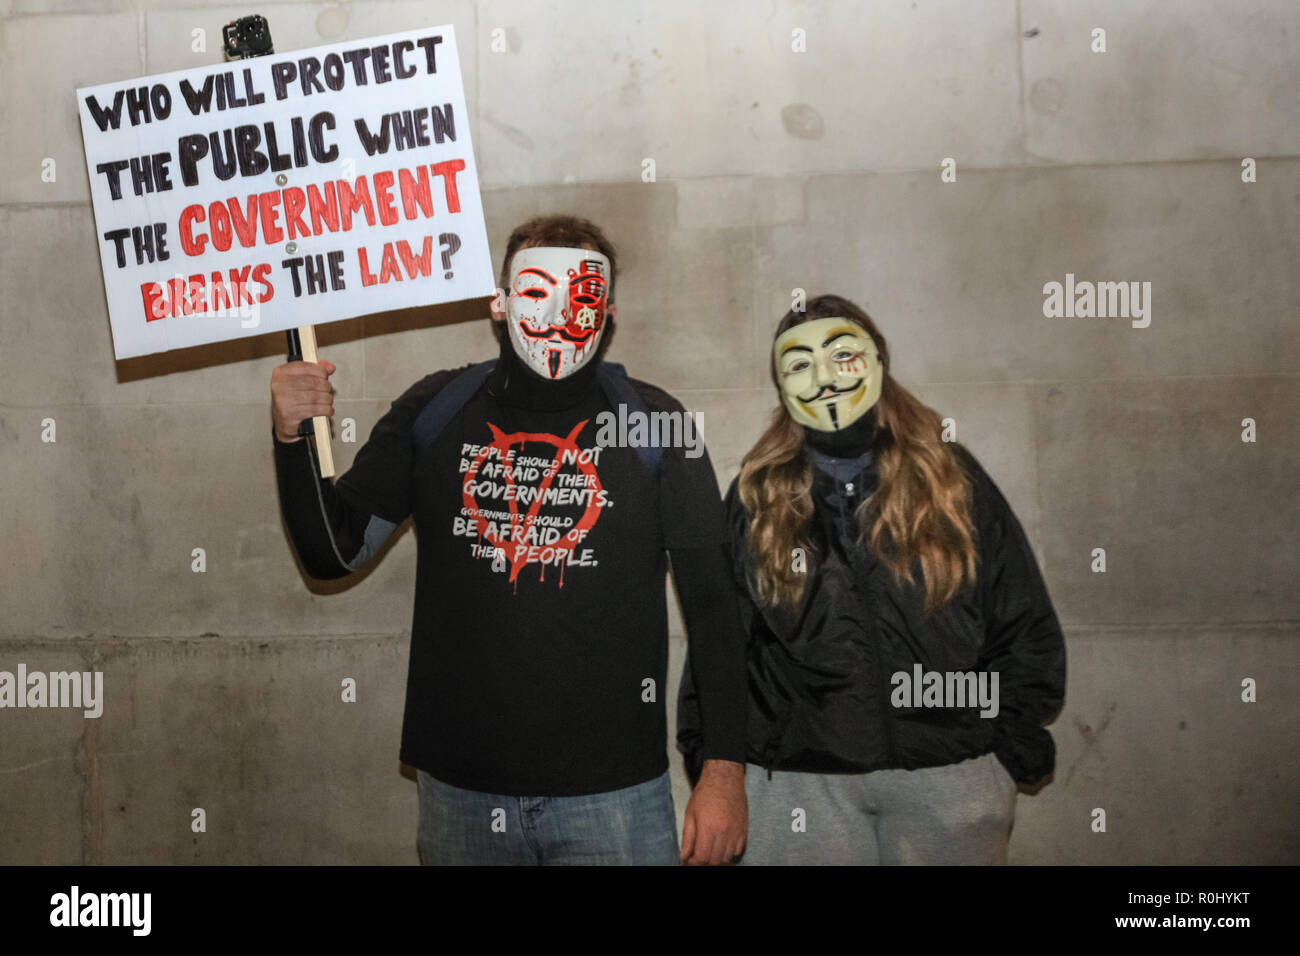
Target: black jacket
x,y
820,676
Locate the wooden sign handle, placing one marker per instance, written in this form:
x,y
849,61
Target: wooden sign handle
x,y
302,342
320,424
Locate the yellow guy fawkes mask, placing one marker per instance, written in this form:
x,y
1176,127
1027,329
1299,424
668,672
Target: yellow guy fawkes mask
x,y
830,372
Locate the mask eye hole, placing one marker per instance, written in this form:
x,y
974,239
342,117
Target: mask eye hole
x,y
798,365
534,293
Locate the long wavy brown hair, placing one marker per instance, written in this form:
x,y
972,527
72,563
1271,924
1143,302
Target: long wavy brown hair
x,y
919,512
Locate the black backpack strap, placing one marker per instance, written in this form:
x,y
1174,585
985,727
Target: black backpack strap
x,y
442,408
614,381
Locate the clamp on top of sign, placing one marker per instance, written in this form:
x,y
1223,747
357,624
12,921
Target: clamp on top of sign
x,y
247,37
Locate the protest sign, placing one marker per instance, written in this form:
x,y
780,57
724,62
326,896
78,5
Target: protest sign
x,y
288,190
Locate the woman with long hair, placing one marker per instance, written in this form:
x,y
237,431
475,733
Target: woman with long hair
x,y
903,652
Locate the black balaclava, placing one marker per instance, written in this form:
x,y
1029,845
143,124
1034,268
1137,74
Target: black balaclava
x,y
512,382
857,439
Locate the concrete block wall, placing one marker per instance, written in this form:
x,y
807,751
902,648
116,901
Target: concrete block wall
x,y
775,170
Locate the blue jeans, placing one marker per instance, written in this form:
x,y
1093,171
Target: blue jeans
x,y
635,826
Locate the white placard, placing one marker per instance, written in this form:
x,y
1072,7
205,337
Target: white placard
x,y
285,190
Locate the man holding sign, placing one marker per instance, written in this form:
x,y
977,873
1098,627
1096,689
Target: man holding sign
x,y
534,704
285,190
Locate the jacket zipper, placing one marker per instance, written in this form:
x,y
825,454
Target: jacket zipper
x,y
886,719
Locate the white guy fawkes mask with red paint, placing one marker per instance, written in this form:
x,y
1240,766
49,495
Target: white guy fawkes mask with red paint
x,y
555,311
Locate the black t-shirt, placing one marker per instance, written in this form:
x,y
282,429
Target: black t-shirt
x,y
539,640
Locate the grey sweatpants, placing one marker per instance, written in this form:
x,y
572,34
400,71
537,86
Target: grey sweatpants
x,y
955,814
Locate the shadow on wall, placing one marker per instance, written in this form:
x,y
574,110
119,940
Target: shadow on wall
x,y
331,333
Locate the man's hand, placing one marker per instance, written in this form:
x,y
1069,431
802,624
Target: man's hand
x,y
300,390
717,816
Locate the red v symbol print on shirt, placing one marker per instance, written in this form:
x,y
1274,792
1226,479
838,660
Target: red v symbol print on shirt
x,y
521,546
